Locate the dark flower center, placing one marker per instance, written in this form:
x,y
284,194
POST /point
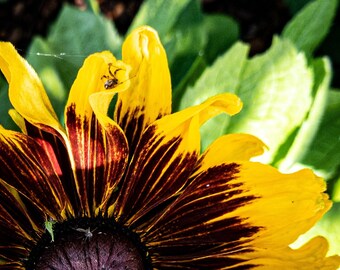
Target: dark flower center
x,y
86,243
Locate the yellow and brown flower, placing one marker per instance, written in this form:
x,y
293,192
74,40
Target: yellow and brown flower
x,y
134,192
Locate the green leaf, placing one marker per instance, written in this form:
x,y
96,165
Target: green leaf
x,y
222,76
306,133
159,14
296,5
93,5
324,153
310,26
195,71
81,33
335,189
276,89
5,120
47,68
185,41
74,36
180,27
222,32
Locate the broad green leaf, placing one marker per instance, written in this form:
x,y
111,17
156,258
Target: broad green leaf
x,y
93,5
81,33
306,133
276,89
185,41
5,120
47,68
159,14
222,76
222,32
74,36
195,71
295,5
310,26
335,192
324,153
328,227
77,34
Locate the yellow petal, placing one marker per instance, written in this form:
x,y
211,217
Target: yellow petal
x,y
287,206
93,78
311,256
149,95
231,148
18,120
26,91
97,146
227,103
248,214
186,123
170,146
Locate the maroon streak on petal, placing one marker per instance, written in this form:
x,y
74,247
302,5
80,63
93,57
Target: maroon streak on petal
x,y
27,168
54,145
19,230
100,157
156,173
201,221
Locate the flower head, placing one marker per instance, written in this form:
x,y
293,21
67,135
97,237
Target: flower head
x,y
135,191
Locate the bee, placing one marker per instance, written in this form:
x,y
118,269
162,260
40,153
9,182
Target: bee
x,y
111,80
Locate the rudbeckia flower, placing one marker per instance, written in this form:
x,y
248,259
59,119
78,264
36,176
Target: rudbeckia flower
x,y
134,191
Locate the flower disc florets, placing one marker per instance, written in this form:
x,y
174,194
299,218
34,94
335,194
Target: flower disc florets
x,y
85,243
